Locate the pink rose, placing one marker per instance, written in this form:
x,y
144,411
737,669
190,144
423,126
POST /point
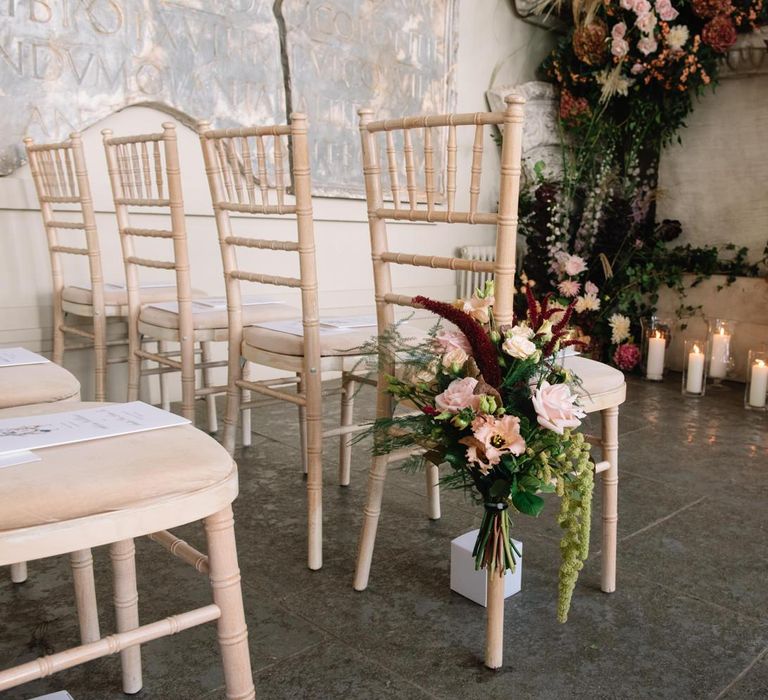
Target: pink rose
x,y
619,48
641,7
647,45
627,4
556,407
666,11
637,69
498,437
619,31
459,394
590,288
447,340
646,23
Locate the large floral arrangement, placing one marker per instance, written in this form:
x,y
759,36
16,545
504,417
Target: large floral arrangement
x,y
627,71
495,406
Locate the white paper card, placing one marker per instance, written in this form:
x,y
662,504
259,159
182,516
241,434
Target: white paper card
x,y
333,326
35,432
113,287
13,458
61,695
12,357
349,321
213,304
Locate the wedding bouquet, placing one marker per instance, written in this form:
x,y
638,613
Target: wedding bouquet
x,y
494,405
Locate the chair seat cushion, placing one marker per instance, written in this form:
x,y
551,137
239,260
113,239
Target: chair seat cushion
x,y
104,476
217,318
338,343
30,384
596,377
117,296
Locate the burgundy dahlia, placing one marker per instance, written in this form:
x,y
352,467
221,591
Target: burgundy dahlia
x,y
719,33
626,357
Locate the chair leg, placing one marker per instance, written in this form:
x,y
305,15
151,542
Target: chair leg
x,y
610,480
165,394
81,563
314,453
245,415
134,368
58,334
227,594
232,411
433,491
19,572
371,514
188,378
100,357
210,400
300,387
348,388
126,601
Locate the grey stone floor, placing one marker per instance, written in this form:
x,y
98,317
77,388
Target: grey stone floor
x,y
689,618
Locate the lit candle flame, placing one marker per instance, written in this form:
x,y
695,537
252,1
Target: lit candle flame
x,y
759,363
696,350
722,330
658,334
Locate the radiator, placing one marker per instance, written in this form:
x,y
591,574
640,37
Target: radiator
x,y
469,281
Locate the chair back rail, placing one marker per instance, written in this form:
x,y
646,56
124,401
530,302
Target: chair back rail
x,y
430,193
60,176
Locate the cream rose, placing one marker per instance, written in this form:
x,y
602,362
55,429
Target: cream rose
x,y
519,346
456,356
556,407
459,394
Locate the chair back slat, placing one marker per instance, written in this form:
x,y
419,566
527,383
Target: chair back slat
x,y
438,174
60,176
263,148
135,183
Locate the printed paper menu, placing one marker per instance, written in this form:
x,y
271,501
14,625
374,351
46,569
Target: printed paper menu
x,y
109,420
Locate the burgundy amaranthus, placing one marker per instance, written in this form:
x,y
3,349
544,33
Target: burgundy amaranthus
x,y
483,349
537,316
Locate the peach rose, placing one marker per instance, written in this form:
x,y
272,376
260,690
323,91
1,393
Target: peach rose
x,y
456,356
458,395
556,407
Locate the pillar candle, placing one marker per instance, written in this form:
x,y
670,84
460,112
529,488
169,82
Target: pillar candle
x,y
656,348
758,384
695,378
718,365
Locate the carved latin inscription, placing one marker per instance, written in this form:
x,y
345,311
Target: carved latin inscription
x,y
66,64
395,56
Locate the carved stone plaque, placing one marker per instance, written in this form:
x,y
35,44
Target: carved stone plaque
x,y
66,64
395,56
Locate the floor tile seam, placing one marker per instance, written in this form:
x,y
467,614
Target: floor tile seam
x,y
742,674
216,692
664,519
357,650
758,622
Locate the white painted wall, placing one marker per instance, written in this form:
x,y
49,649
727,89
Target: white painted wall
x,y
494,48
715,181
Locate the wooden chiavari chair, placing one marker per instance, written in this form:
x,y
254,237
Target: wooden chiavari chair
x,y
61,179
422,200
252,171
144,173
